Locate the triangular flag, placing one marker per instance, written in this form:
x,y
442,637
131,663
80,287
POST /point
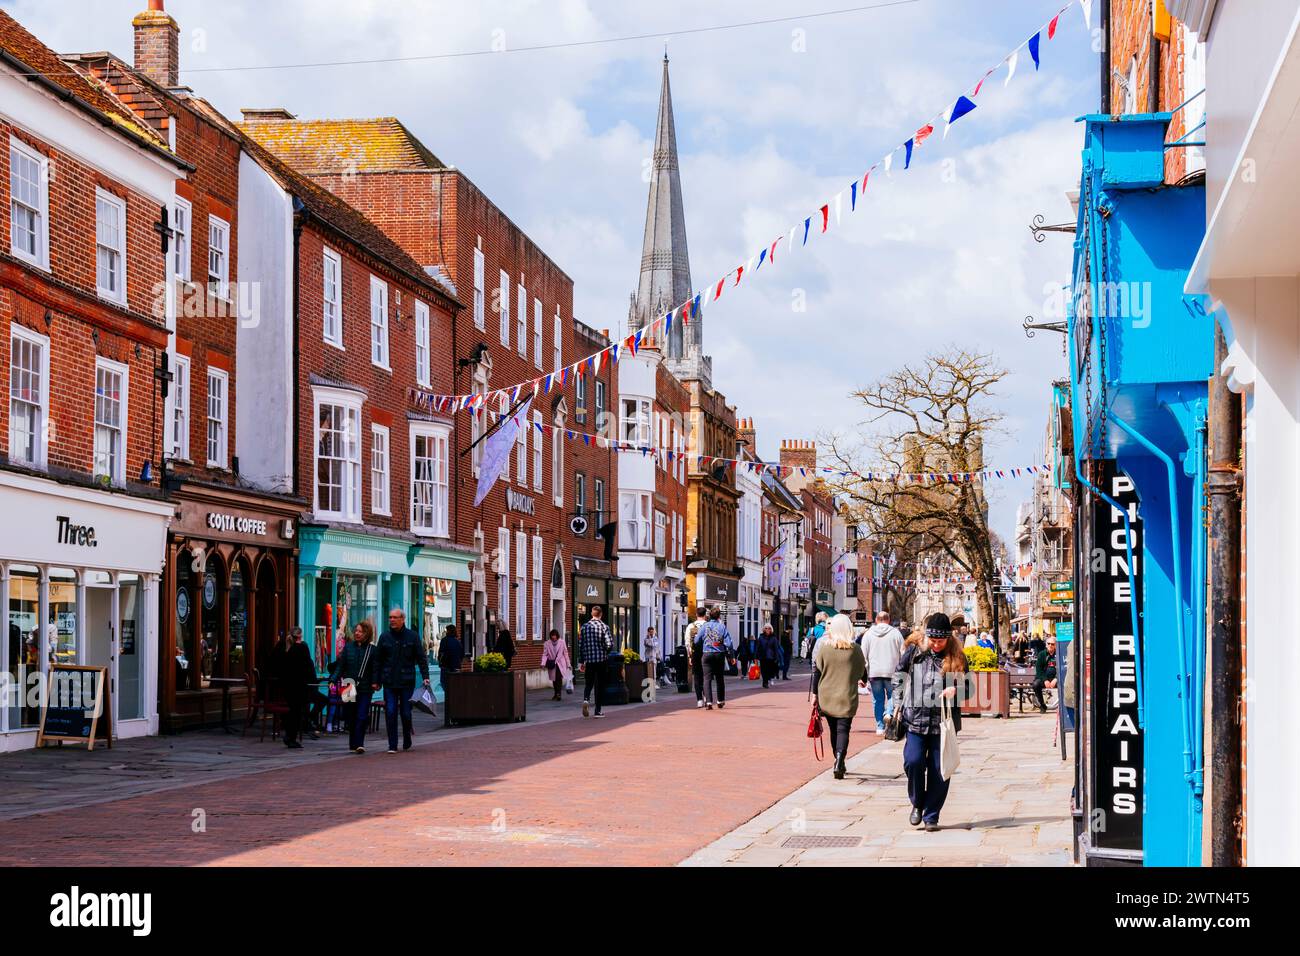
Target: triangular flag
x,y
696,305
839,205
740,271
717,292
1011,66
771,255
923,133
826,217
806,224
959,109
853,196
1086,5
980,84
889,162
1051,27
1033,47
613,352
762,255
907,160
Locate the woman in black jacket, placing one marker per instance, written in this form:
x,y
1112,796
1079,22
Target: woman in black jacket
x,y
934,670
769,655
505,646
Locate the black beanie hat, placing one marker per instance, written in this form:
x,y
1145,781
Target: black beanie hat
x,y
938,625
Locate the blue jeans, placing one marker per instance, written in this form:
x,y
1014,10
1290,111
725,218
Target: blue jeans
x,y
358,714
926,787
882,691
395,698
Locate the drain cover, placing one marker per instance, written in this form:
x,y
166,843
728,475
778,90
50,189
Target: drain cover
x,y
821,842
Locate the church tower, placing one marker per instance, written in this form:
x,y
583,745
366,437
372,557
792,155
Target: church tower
x,y
665,261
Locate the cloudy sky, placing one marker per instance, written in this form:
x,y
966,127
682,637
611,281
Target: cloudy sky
x,y
772,120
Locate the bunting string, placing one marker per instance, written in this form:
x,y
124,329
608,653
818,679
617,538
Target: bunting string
x,y
818,222
708,462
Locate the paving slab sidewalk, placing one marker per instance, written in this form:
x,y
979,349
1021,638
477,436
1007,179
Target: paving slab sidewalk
x,y
1009,806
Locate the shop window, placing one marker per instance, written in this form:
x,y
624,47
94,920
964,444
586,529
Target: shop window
x,y
23,647
356,599
132,630
210,644
184,657
235,653
61,625
29,397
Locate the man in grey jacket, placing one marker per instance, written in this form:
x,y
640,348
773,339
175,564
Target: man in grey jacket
x,y
882,646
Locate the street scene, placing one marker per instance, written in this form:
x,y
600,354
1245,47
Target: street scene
x,y
571,434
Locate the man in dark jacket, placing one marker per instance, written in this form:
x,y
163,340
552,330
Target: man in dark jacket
x,y
297,679
400,652
451,653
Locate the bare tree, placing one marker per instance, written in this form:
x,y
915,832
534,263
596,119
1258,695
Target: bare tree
x,y
932,419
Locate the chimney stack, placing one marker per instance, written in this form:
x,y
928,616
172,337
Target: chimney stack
x,y
746,436
157,45
266,114
796,453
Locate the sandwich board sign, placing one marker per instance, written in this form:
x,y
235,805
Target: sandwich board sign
x,y
76,706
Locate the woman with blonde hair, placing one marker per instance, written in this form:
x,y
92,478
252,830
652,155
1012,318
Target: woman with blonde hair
x,y
934,668
838,666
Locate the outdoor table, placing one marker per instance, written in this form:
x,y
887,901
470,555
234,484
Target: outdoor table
x,y
226,684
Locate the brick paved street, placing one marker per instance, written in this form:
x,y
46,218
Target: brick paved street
x,y
647,785
651,784
1009,805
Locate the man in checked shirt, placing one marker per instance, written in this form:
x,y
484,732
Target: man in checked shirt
x,y
594,645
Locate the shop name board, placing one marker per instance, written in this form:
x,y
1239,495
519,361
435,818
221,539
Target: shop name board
x,y
518,501
360,559
225,522
1118,741
82,535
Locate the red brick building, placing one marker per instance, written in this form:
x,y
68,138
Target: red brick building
x,y
801,458
228,583
517,325
83,326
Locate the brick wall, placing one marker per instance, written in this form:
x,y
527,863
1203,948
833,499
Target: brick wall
x,y
1132,49
386,402
82,326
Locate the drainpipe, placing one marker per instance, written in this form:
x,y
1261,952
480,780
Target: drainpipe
x,y
1105,56
1189,774
1223,488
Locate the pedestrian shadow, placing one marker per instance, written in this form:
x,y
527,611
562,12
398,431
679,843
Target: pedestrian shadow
x,y
1002,823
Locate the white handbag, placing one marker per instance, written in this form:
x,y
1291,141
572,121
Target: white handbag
x,y
348,695
949,755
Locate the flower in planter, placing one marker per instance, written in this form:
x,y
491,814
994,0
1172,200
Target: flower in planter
x,y
630,656
491,663
981,659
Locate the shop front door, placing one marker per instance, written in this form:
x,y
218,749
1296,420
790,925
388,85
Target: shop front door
x,y
101,640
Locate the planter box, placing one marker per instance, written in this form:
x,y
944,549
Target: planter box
x,y
992,690
484,696
634,676
615,682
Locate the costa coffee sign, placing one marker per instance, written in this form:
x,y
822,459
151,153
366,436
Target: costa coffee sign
x,y
244,525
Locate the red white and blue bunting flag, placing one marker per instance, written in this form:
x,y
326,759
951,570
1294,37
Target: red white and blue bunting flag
x,y
962,106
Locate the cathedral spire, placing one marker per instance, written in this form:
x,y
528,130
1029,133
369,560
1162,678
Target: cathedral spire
x,y
665,262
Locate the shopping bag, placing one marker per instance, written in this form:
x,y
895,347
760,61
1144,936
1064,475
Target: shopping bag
x,y
753,671
424,700
949,757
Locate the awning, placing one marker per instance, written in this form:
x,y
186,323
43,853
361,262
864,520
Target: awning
x,y
830,611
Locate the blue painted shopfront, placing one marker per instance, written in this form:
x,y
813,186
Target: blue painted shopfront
x,y
348,576
1140,356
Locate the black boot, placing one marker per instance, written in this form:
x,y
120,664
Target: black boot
x,y
839,766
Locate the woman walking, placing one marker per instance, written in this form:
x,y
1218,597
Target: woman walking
x,y
838,665
357,663
555,658
505,646
929,674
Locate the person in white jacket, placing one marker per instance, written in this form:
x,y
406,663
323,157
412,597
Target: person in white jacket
x,y
882,646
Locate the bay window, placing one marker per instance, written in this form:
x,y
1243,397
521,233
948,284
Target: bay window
x,y
430,454
636,421
635,521
338,454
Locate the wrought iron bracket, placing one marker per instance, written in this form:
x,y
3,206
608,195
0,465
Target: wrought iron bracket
x,y
1040,229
